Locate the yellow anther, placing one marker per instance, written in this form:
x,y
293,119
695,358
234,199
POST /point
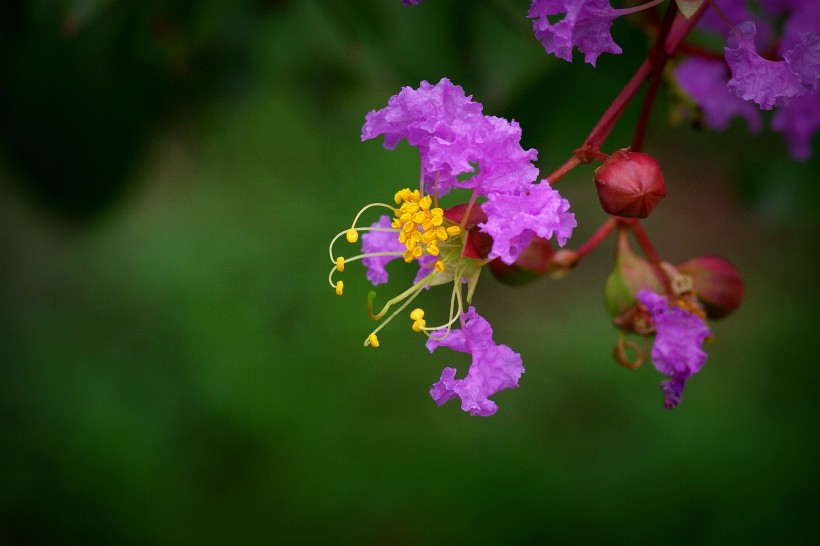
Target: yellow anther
x,y
417,313
408,227
411,244
352,235
412,208
425,202
440,267
417,252
340,286
405,217
442,234
437,220
419,325
402,237
374,341
419,217
340,263
453,230
432,249
437,211
408,256
428,236
417,236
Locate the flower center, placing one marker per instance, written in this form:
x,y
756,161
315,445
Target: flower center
x,y
421,228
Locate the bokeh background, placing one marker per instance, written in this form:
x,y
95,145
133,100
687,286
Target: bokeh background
x,y
176,370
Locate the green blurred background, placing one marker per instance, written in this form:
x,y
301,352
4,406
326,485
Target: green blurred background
x,y
176,370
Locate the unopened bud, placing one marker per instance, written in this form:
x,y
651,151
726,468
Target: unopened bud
x,y
533,262
630,275
717,284
630,184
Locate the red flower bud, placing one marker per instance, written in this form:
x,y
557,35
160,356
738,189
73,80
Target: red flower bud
x,y
630,184
532,263
717,283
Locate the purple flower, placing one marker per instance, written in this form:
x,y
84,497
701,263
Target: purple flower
x,y
705,83
768,83
493,368
677,350
513,220
798,121
380,241
453,138
585,26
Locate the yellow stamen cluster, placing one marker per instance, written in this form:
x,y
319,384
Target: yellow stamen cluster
x,y
417,315
420,226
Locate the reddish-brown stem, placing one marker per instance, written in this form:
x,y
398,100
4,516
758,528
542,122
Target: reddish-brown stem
x,y
678,32
658,52
597,238
570,164
651,255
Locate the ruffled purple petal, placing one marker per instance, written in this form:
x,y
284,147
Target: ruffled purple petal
x,y
438,120
513,220
454,138
585,26
379,241
677,350
493,368
767,83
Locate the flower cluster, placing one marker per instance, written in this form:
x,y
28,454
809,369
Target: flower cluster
x,y
459,148
509,220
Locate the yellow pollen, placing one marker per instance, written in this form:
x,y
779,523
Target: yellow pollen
x,y
340,286
374,341
352,235
421,226
340,263
417,313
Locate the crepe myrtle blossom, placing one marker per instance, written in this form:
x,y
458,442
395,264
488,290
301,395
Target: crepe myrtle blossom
x,y
679,333
459,147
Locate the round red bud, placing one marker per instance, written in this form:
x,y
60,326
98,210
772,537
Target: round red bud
x,y
630,184
717,283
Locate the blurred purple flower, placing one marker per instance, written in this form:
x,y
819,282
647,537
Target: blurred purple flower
x,y
798,121
493,368
705,83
